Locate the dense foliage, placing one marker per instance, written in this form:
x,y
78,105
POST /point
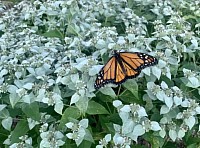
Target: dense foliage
x,y
52,50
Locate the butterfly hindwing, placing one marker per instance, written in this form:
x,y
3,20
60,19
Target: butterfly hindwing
x,y
120,75
130,72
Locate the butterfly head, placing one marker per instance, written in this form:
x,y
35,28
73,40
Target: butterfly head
x,y
115,53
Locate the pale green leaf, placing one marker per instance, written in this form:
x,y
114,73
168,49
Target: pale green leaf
x,y
168,101
141,112
59,107
74,77
2,106
84,123
138,130
127,127
75,97
160,95
190,121
164,109
82,104
155,126
28,86
173,135
177,100
156,72
162,133
194,82
181,133
7,123
147,71
12,89
94,70
108,91
14,99
88,136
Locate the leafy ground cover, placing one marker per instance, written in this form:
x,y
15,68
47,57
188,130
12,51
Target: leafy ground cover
x,y
52,50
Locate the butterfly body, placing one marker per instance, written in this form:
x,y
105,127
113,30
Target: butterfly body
x,y
122,66
119,60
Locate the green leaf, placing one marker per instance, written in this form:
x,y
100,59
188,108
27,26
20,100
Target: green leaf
x,y
113,118
54,33
187,17
130,3
154,139
12,89
132,86
31,110
128,96
149,103
20,130
84,144
95,108
104,98
195,145
70,112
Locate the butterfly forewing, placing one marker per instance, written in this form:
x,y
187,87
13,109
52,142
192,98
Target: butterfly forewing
x,y
138,60
132,59
106,74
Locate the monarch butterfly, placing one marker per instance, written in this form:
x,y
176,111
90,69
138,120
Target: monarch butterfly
x,y
122,66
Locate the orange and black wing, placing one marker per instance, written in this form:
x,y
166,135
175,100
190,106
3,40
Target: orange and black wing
x,y
107,73
125,71
134,62
123,66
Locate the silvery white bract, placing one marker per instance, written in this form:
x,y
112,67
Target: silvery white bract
x,y
79,131
134,121
104,142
